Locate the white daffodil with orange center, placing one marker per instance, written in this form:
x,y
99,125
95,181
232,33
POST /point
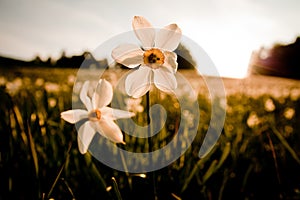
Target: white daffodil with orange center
x,y
156,59
98,117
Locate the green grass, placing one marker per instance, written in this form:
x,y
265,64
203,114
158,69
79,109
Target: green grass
x,y
256,157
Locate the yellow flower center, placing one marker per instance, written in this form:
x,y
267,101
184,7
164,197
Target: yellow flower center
x,y
95,115
154,58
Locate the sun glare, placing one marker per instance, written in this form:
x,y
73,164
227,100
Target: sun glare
x,y
229,48
231,59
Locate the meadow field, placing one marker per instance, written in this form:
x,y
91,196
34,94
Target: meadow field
x,y
257,155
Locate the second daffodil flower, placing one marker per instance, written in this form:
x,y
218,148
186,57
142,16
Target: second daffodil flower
x,y
98,117
156,59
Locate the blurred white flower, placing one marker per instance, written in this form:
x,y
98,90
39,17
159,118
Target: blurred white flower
x,y
99,118
289,113
295,94
2,80
253,120
189,117
156,58
39,82
134,105
52,87
14,86
71,79
52,102
269,105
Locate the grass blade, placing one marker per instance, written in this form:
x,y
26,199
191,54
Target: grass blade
x,y
197,168
59,172
33,152
210,171
225,154
286,144
116,188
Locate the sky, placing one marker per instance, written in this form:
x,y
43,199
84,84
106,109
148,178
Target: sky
x,y
227,30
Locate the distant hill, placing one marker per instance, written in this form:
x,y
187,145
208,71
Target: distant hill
x,y
86,60
280,60
10,62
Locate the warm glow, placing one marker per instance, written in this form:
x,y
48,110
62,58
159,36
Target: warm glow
x,y
229,47
228,30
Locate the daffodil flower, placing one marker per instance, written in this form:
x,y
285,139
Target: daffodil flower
x,y
98,117
156,59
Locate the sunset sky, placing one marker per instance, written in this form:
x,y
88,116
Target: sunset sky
x,y
228,30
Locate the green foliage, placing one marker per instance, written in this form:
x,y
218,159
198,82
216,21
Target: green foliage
x,y
258,149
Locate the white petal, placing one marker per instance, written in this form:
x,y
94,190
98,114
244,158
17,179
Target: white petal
x,y
144,31
129,55
171,61
113,114
168,38
109,129
73,116
138,82
103,94
85,136
165,80
84,95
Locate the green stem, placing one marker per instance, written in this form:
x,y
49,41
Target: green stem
x,y
152,174
148,120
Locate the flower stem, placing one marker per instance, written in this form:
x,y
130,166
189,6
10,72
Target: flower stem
x,y
152,174
148,121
